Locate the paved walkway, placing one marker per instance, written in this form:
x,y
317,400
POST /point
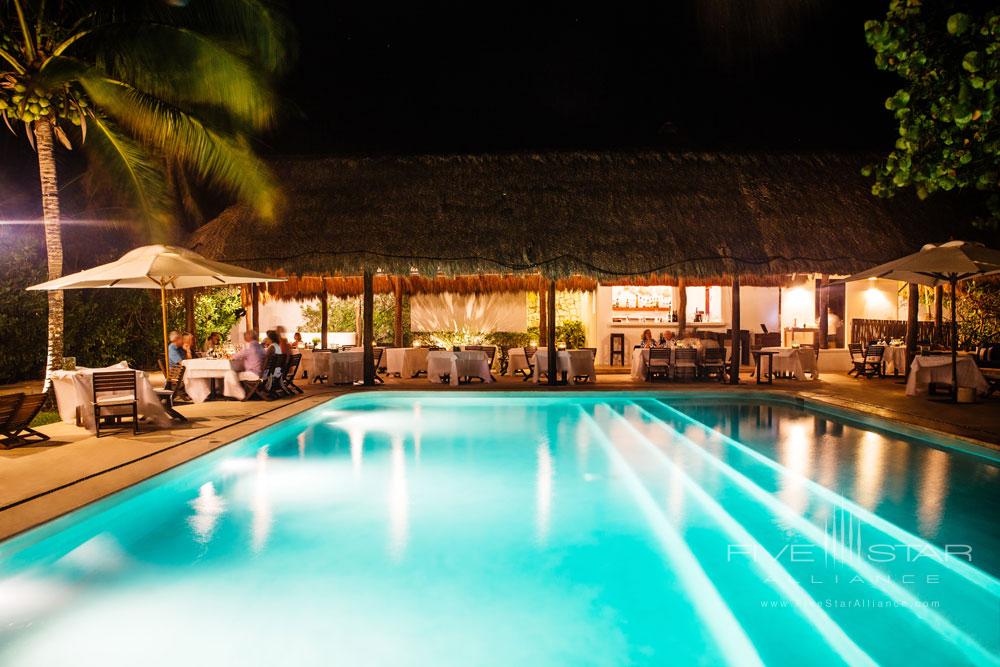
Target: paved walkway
x,y
42,481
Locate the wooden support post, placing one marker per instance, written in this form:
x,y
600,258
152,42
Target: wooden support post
x,y
397,323
824,305
938,312
781,330
912,304
324,319
255,307
543,316
368,328
954,337
550,343
189,312
682,307
734,371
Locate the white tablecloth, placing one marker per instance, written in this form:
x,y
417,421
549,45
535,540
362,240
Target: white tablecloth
x,y
199,374
795,361
571,362
472,363
306,365
925,370
340,367
75,389
516,361
894,357
405,361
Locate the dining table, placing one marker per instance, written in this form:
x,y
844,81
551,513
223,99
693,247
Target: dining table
x,y
640,356
455,365
937,369
74,390
345,367
405,362
201,378
793,361
570,364
894,358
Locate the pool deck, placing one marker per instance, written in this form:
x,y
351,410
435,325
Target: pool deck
x,y
43,481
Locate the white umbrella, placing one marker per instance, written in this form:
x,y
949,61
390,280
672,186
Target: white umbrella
x,y
160,267
936,265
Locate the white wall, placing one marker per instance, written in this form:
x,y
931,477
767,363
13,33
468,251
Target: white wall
x,y
871,300
506,311
758,305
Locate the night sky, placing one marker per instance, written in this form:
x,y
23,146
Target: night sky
x,y
475,77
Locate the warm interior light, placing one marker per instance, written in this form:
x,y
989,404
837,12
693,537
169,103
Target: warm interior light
x,y
534,343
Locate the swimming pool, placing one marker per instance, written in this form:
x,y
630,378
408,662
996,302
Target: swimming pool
x,y
526,529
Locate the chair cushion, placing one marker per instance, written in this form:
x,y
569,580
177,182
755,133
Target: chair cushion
x,y
112,400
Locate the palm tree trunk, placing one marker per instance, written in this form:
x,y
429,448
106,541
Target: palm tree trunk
x,y
53,244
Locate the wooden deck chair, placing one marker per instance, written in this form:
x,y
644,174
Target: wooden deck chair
x,y
17,411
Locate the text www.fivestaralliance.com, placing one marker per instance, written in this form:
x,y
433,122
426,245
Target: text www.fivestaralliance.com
x,y
855,603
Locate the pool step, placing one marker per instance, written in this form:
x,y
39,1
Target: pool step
x,y
759,593
737,479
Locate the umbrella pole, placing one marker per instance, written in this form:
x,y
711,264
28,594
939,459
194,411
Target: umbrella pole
x,y
166,343
954,338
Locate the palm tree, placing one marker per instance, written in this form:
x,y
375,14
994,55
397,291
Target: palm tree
x,y
141,84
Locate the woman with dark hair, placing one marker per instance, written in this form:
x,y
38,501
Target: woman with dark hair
x,y
272,342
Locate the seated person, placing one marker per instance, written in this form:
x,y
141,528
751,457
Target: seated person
x,y
283,343
272,343
251,358
647,339
213,343
297,342
189,346
666,337
176,351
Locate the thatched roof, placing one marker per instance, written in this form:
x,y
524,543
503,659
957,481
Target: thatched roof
x,y
608,216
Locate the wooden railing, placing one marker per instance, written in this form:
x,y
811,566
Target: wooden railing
x,y
863,331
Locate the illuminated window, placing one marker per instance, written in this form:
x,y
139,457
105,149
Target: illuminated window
x,y
704,303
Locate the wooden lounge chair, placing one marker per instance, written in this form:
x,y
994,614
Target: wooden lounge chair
x,y
659,363
173,391
16,428
119,391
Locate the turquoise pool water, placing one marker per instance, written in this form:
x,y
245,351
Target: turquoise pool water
x,y
527,529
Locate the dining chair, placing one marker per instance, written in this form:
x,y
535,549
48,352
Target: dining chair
x,y
659,363
686,362
113,390
529,358
173,391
